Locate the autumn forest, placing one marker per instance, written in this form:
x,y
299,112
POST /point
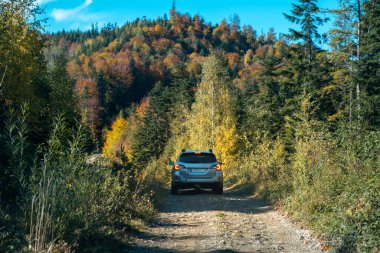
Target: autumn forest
x,y
89,120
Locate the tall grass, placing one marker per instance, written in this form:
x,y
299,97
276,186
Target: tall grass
x,y
41,225
64,200
14,182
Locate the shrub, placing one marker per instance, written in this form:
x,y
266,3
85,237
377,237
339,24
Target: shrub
x,y
329,182
62,196
266,168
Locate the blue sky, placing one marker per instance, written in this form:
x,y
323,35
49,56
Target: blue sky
x,y
261,14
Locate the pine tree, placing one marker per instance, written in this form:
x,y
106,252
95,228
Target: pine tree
x,y
305,14
151,137
62,95
173,12
182,98
308,71
103,94
369,69
343,42
268,99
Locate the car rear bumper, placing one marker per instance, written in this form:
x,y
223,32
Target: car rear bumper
x,y
184,182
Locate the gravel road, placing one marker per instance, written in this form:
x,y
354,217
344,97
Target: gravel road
x,y
201,221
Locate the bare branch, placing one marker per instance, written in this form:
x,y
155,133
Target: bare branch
x,y
2,79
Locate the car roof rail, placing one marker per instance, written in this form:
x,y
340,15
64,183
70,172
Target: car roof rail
x,y
183,150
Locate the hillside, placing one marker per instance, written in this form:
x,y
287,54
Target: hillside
x,y
120,65
296,124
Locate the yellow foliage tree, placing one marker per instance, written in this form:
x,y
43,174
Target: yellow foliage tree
x,y
226,141
114,138
121,136
226,145
212,122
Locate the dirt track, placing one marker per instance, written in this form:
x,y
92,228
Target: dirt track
x,y
200,221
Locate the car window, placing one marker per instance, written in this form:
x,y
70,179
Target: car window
x,y
197,158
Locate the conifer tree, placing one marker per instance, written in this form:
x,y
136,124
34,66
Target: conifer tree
x,y
151,137
306,14
343,43
62,95
369,69
182,98
308,71
269,99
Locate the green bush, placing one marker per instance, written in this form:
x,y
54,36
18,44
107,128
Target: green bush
x,y
336,185
330,182
64,198
266,168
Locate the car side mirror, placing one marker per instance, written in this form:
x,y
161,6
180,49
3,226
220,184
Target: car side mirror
x,y
171,163
220,163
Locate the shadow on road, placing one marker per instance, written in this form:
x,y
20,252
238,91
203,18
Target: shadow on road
x,y
160,250
205,200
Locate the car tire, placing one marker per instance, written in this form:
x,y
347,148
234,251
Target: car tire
x,y
218,189
174,189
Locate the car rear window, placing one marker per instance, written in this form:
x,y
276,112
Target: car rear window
x,y
197,158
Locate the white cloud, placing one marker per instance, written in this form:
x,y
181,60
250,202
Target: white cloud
x,y
41,2
62,14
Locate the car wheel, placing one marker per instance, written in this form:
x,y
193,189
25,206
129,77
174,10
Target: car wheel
x,y
219,188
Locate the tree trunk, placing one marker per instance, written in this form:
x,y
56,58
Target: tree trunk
x,y
358,57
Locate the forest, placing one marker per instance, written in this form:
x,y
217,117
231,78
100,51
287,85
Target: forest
x,y
89,120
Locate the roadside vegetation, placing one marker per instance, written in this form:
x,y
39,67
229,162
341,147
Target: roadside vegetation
x,y
296,123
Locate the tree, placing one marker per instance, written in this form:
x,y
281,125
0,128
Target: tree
x,y
114,138
151,137
212,121
308,69
269,98
305,14
355,41
235,27
103,91
182,98
369,69
62,95
88,100
22,64
343,41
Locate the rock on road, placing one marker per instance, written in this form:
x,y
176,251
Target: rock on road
x,y
201,221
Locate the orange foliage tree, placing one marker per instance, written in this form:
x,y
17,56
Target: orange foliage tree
x,y
89,104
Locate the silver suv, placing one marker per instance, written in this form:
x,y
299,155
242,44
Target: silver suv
x,y
197,169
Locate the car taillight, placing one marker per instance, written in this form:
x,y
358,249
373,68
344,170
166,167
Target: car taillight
x,y
216,167
178,166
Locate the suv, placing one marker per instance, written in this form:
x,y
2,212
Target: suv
x,y
196,169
